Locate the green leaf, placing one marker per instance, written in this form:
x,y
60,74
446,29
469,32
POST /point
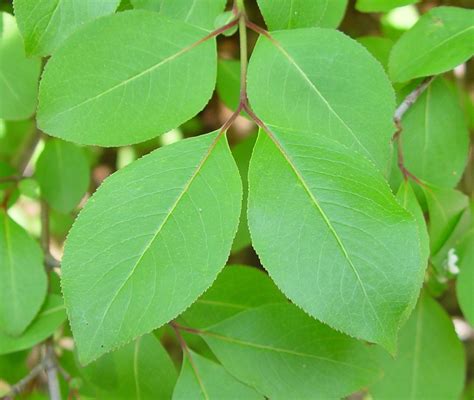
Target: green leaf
x,y
332,236
304,92
46,24
379,47
407,198
14,136
140,370
435,138
22,277
228,82
204,379
18,74
200,13
441,39
381,5
48,320
285,354
465,281
13,367
236,289
126,82
430,359
242,154
292,14
445,207
150,241
62,171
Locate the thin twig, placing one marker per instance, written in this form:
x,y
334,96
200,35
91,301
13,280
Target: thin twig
x,y
21,385
52,371
397,118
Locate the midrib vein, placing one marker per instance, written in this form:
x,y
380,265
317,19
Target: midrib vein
x,y
157,232
315,202
305,77
277,349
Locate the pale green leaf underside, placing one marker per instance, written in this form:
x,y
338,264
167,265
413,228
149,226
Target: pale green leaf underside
x,y
285,354
45,24
22,277
291,14
122,80
204,379
430,360
435,136
47,321
62,171
141,370
442,39
18,74
465,280
302,82
381,5
201,13
149,242
236,289
332,236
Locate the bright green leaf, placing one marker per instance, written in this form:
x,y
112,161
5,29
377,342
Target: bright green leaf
x,y
22,277
120,80
442,39
204,379
149,242
332,236
50,317
407,198
18,74
228,82
141,370
291,14
285,354
435,138
242,154
236,289
445,207
46,24
430,359
200,13
465,281
62,171
381,5
304,92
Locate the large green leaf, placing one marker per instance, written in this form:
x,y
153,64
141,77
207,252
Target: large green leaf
x,y
141,370
201,13
301,82
22,277
332,235
45,24
430,359
149,242
445,208
120,80
465,281
291,14
204,379
50,317
381,5
18,74
407,198
62,171
440,40
435,138
236,289
285,354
